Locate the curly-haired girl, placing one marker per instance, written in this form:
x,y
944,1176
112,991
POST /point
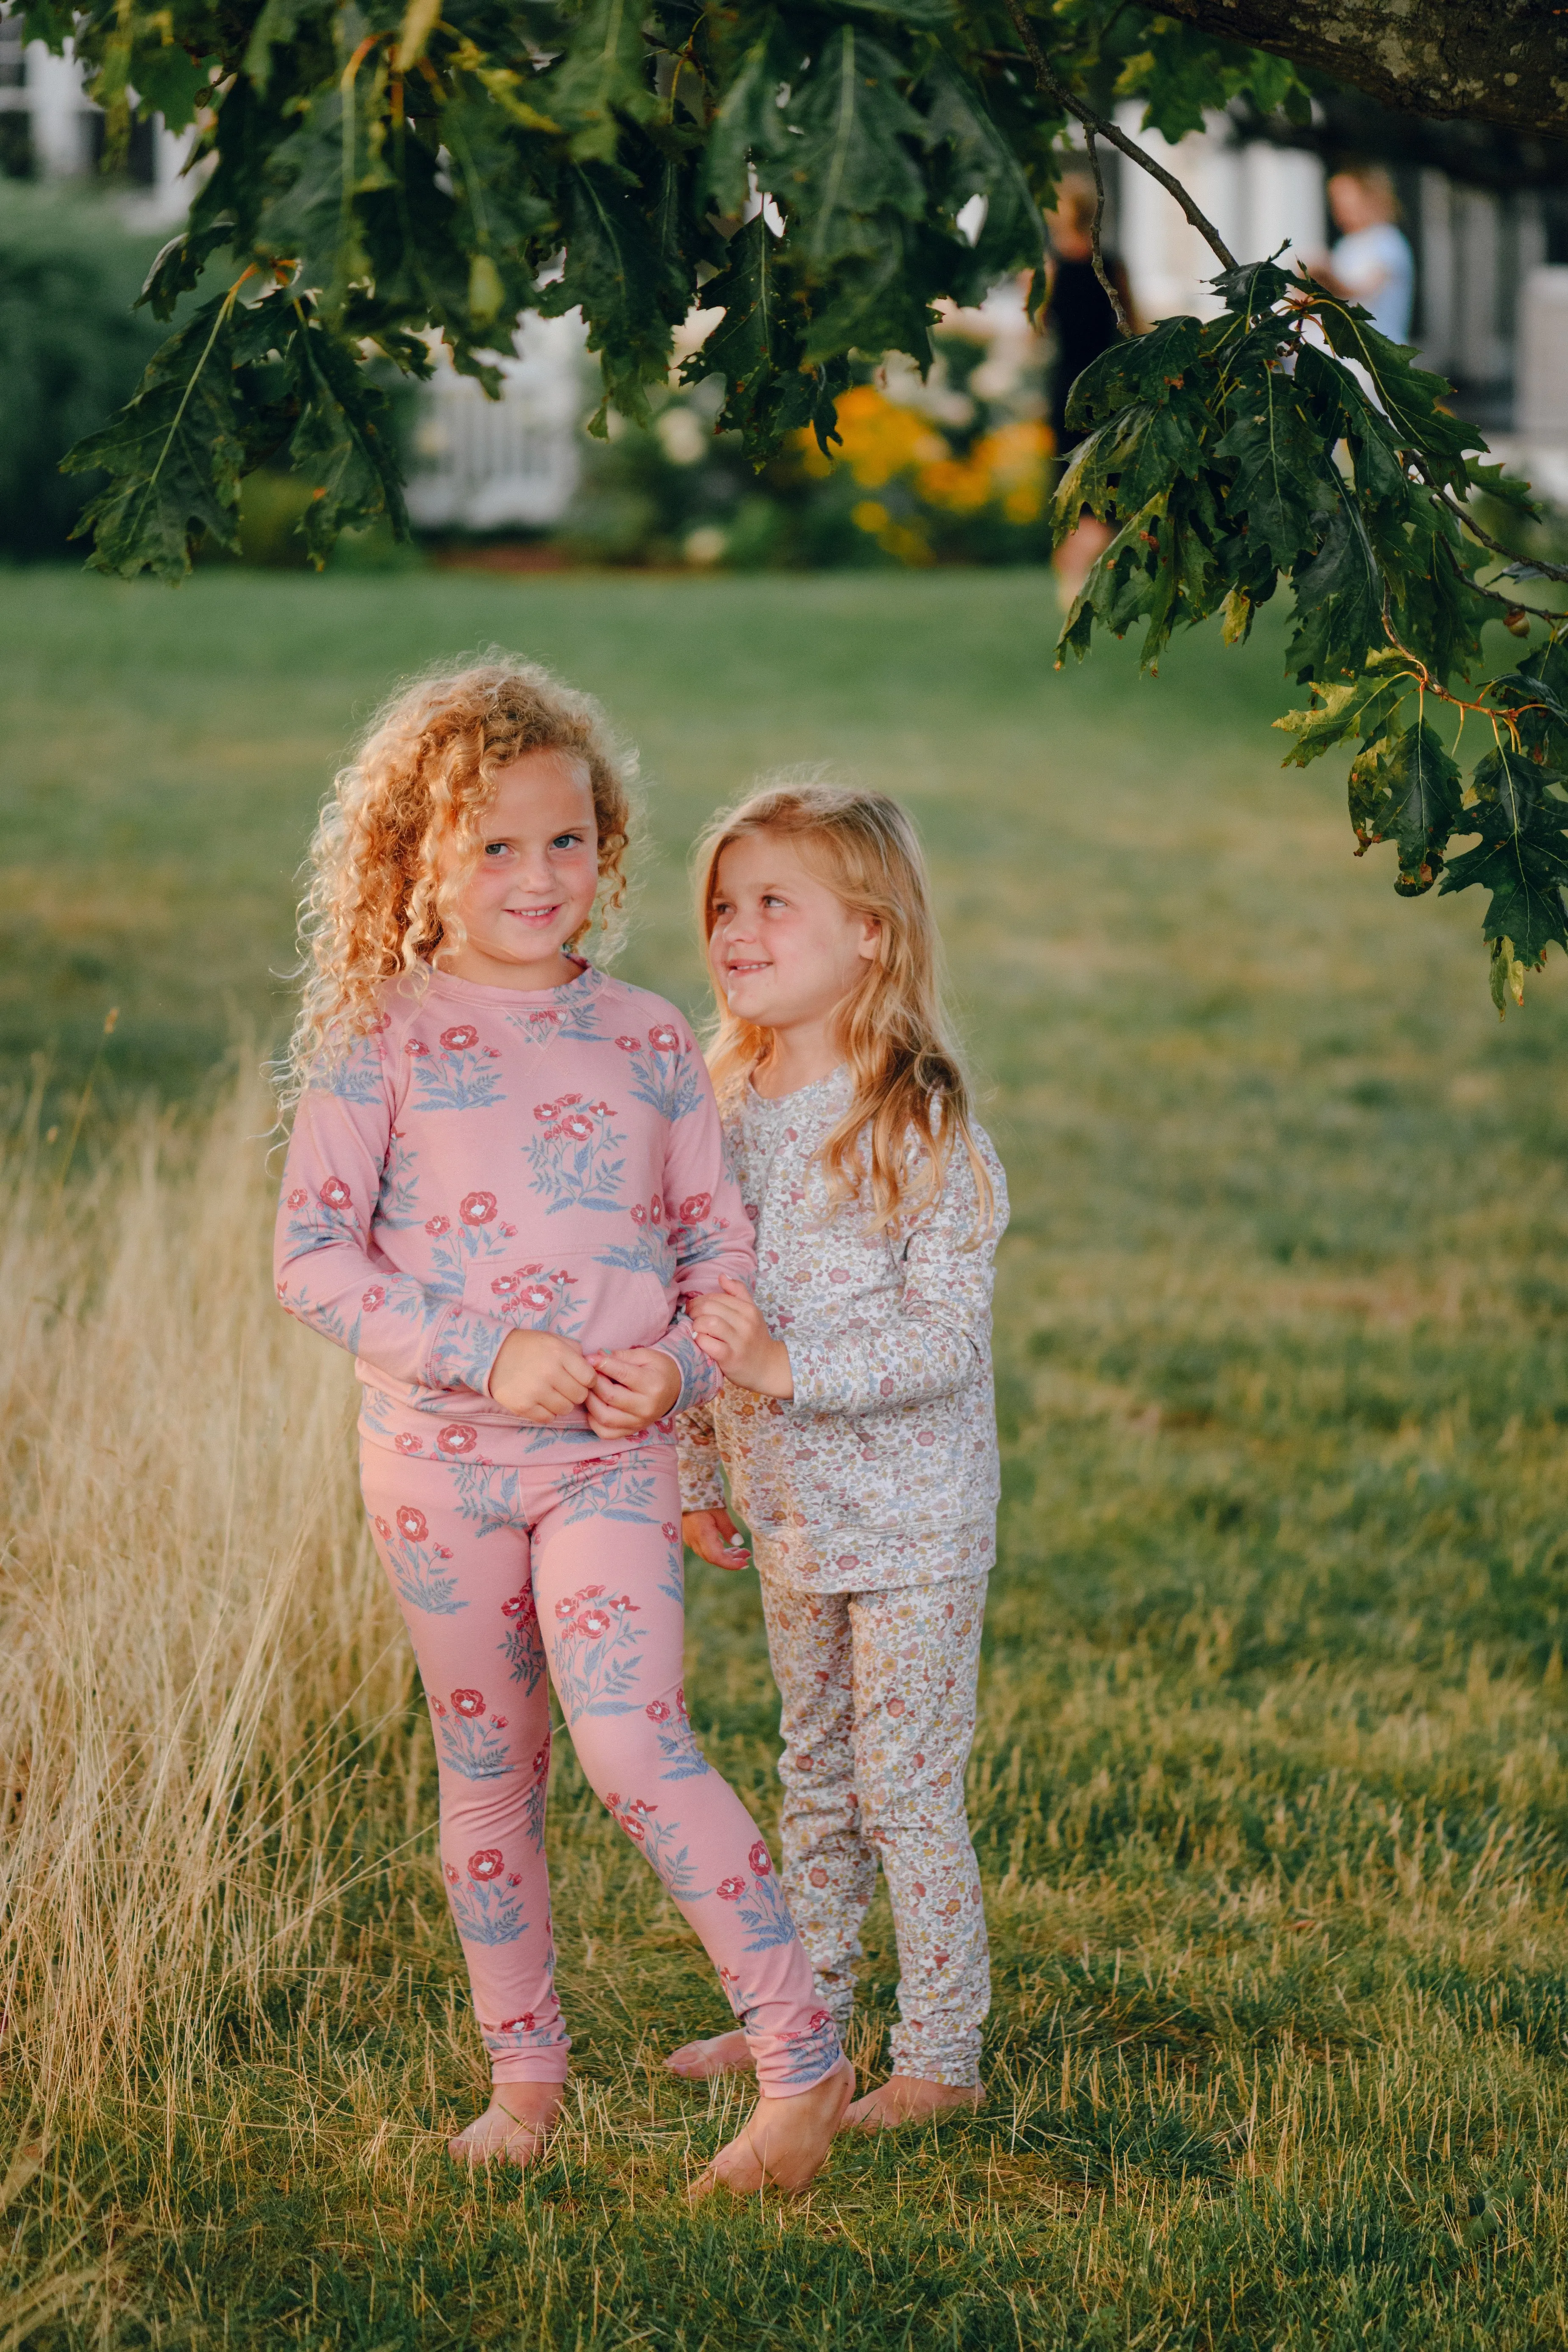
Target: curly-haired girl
x,y
505,1188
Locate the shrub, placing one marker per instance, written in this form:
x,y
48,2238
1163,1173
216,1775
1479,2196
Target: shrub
x,y
71,350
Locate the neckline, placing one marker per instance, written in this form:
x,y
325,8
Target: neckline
x,y
833,1078
475,992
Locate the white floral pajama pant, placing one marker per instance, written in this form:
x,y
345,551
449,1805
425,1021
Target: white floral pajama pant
x,y
878,1692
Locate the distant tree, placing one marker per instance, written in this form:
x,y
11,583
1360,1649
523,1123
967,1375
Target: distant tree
x,y
383,174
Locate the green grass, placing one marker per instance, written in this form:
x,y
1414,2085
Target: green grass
x,y
1269,1789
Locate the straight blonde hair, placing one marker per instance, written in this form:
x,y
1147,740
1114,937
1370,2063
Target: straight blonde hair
x,y
909,1099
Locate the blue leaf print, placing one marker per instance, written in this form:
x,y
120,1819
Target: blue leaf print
x,y
355,1077
661,1075
398,1206
760,1906
611,1489
672,1864
416,1563
813,2052
649,1253
472,1746
484,1905
677,1746
460,1076
538,1797
520,1646
573,1021
594,1652
536,1298
490,1498
570,1159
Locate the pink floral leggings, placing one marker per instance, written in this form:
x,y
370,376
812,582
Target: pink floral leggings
x,y
577,1567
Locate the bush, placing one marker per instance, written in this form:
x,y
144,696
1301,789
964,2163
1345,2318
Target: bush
x,y
71,349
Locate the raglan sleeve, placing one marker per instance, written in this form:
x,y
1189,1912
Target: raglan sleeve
x,y
331,1275
939,1339
710,1232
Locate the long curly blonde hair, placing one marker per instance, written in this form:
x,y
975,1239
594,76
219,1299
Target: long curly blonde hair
x,y
399,835
909,1099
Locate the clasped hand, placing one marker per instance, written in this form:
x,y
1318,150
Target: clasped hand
x,y
727,1326
538,1375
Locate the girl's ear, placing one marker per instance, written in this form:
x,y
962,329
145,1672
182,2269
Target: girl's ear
x,y
869,944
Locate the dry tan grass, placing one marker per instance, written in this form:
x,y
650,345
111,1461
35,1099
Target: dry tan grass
x,y
195,1640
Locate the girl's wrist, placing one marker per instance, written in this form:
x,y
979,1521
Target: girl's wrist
x,y
779,1372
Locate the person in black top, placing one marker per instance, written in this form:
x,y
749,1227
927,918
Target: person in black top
x,y
1083,324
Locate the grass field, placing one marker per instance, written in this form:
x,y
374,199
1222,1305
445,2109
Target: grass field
x,y
1271,1790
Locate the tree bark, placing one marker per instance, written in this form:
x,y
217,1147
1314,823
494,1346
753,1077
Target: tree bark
x,y
1493,61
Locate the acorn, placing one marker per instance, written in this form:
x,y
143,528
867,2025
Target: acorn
x,y
1517,620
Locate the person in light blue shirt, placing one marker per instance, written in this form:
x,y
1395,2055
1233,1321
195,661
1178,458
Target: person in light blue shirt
x,y
1372,263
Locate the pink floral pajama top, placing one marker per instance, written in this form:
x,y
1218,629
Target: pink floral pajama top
x,y
490,1160
882,1470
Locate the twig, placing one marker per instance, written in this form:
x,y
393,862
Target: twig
x,y
1052,84
1123,323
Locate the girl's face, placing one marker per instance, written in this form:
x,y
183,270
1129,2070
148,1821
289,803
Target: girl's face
x,y
784,950
534,885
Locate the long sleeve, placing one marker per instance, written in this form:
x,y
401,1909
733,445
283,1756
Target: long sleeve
x,y
329,1273
702,1488
708,1230
941,1338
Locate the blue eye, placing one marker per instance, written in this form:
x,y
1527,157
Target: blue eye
x,y
567,841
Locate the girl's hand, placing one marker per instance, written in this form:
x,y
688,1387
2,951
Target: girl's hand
x,y
727,1326
632,1387
714,1537
539,1376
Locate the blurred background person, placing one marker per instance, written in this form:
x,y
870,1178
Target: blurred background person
x,y
1078,316
1371,262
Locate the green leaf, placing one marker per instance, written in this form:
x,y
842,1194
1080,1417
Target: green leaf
x,y
1144,368
1409,789
1364,706
1277,487
1522,856
180,262
1339,604
602,81
343,443
277,25
749,126
170,81
982,162
853,160
630,292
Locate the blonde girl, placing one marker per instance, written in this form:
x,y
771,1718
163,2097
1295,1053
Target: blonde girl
x,y
856,1425
505,1194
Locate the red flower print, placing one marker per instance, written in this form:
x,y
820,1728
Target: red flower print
x,y
567,1102
415,1048
541,1756
374,1297
545,1112
457,1438
405,1443
451,1870
818,2019
537,1297
681,1700
443,1551
565,1609
412,1523
510,1231
613,1800
380,1527
639,1214
655,1209
519,1605
730,1890
512,1876
437,1707
629,1044
437,1225
595,1623
578,1126
505,1284
485,1864
498,1723
458,1039
761,1860
297,1197
658,1710
523,2024
694,1207
470,1702
665,1039
817,1876
601,1110
668,1530
335,1193
478,1208
634,1828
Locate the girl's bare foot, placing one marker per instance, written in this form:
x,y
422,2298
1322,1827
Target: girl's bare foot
x,y
908,2099
725,2053
785,2143
513,2128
